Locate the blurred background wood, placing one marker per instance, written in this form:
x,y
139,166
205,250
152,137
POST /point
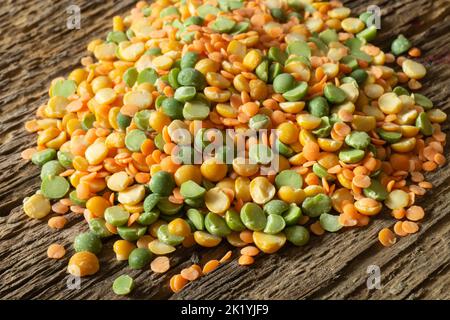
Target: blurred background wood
x,y
36,46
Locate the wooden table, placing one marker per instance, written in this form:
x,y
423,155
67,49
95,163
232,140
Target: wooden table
x,y
36,46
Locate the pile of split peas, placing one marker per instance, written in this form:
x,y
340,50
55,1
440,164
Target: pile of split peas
x,y
344,120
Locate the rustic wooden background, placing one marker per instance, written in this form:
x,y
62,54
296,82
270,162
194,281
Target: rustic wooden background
x,y
36,46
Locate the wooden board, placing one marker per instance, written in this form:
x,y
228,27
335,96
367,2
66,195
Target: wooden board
x,y
36,46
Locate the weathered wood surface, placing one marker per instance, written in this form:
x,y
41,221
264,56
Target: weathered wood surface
x,y
36,46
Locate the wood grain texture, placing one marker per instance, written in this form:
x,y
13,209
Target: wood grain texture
x,y
36,46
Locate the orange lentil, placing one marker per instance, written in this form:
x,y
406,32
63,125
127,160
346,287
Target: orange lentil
x,y
190,274
246,260
250,251
246,236
226,257
415,213
398,229
386,237
57,222
210,266
410,227
317,229
177,283
56,251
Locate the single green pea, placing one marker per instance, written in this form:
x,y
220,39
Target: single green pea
x,y
141,119
65,158
184,94
41,157
319,107
424,124
139,258
297,235
351,155
168,208
195,203
76,201
253,217
87,241
400,45
359,75
350,61
275,224
88,121
123,285
147,11
330,222
63,88
116,37
132,233
148,217
189,60
172,108
260,153
275,70
240,27
366,17
259,121
283,149
148,75
196,218
151,201
329,35
216,225
162,183
376,191
401,91
422,101
389,136
324,129
316,205
334,94
368,34
277,55
275,207
165,236
185,154
193,20
223,25
358,140
123,121
292,215
169,11
322,172
98,227
191,190
196,110
262,71
299,48
155,51
289,178
130,34
159,141
130,76
134,140
278,14
116,216
297,93
172,78
54,187
230,5
192,77
283,83
233,220
51,169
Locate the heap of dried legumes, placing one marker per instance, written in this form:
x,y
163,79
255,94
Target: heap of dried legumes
x,y
332,130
